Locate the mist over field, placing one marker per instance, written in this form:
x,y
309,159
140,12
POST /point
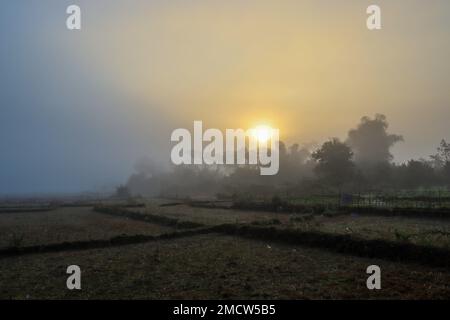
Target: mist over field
x,y
118,179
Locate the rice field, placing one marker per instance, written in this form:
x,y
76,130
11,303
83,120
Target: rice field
x,y
208,263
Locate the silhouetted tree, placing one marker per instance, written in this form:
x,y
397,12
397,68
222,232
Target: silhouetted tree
x,y
417,173
442,157
446,173
122,192
370,141
334,162
441,162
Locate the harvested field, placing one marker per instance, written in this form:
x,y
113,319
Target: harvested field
x,y
215,267
169,250
209,216
68,224
429,232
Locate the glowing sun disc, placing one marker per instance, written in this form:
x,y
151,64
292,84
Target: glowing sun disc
x,y
262,133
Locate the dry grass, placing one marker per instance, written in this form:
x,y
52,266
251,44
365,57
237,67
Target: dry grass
x,y
210,216
430,232
67,224
215,267
212,266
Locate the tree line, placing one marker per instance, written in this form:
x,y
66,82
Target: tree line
x,y
362,162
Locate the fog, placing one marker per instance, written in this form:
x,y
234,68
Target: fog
x,y
362,163
80,110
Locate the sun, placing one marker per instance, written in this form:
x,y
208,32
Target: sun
x,y
262,133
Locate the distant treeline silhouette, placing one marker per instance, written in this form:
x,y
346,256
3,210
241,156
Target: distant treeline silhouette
x,y
361,163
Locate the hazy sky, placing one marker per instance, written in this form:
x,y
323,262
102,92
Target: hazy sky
x,y
78,108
